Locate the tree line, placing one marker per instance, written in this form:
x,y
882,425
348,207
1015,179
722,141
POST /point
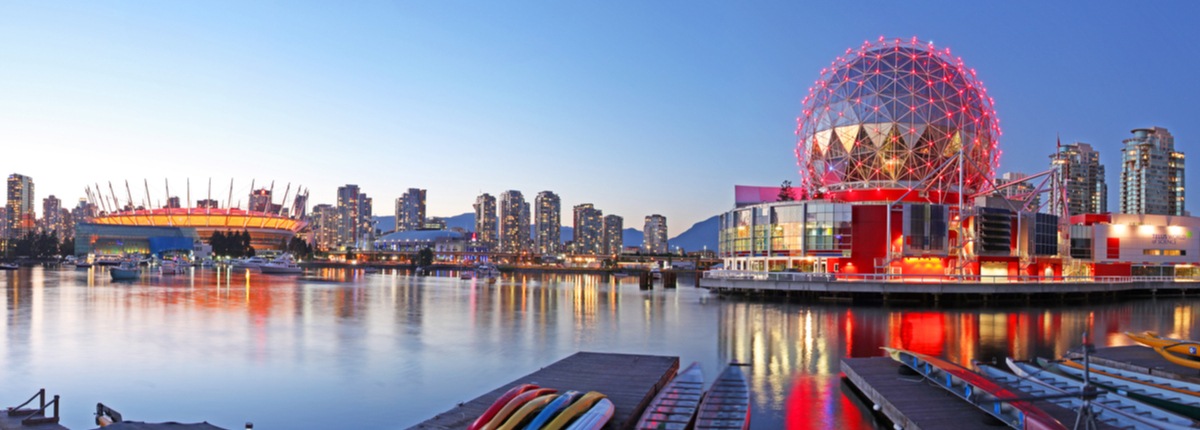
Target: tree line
x,y
231,243
40,245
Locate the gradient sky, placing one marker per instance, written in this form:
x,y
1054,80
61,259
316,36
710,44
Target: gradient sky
x,y
637,107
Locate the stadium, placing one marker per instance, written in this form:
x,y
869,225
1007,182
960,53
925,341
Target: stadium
x,y
137,229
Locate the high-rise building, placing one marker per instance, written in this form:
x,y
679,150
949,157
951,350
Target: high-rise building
x,y
20,205
654,240
67,225
547,223
366,222
4,222
323,225
1152,174
1021,191
614,234
83,212
173,202
589,230
514,222
260,200
349,219
207,204
485,220
300,204
52,221
410,210
1080,176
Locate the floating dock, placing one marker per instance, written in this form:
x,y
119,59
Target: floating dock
x,y
1137,358
630,382
910,402
14,423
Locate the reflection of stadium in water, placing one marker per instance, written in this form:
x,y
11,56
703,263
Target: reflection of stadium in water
x,y
399,346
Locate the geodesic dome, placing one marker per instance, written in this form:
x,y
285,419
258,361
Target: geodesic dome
x,y
891,114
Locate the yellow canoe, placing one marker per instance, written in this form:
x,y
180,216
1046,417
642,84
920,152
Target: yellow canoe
x,y
580,406
527,412
1183,347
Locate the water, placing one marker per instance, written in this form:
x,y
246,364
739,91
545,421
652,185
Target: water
x,y
351,350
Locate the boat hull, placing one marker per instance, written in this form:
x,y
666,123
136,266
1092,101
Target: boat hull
x,y
727,403
675,404
124,274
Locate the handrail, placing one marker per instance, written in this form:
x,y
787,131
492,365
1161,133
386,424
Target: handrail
x,y
41,404
909,278
38,416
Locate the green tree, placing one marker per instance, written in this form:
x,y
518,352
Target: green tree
x,y
785,192
425,257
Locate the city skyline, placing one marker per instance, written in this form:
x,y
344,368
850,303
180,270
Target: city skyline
x,y
216,94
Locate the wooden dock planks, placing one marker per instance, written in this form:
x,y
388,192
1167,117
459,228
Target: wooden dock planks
x,y
1141,359
14,422
912,403
630,381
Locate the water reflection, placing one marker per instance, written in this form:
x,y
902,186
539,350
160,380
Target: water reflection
x,y
283,351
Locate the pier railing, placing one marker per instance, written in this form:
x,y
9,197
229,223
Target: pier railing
x,y
37,416
934,279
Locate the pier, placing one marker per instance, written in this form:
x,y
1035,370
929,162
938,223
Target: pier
x,y
938,289
630,382
911,402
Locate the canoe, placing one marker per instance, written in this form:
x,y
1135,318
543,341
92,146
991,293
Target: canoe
x,y
1180,360
977,390
515,404
596,417
527,412
675,405
497,405
726,405
551,409
1184,347
577,408
1140,387
1168,383
1110,408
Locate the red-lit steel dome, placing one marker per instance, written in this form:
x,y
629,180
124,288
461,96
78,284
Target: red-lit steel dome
x,y
890,115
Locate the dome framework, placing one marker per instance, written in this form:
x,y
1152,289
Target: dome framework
x,y
894,114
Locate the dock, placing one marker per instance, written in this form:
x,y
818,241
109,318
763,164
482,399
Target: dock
x,y
630,381
911,402
14,423
1137,358
881,288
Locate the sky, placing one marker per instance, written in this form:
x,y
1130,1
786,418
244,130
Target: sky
x,y
637,107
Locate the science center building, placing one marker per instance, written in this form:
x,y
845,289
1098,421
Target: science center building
x,y
897,148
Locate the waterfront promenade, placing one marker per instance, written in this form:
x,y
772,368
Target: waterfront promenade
x,y
938,288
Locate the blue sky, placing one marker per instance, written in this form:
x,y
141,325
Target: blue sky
x,y
637,107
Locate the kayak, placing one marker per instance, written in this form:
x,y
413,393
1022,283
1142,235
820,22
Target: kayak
x,y
596,417
579,407
727,403
551,409
496,406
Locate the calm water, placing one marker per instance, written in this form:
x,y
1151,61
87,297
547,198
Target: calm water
x,y
349,350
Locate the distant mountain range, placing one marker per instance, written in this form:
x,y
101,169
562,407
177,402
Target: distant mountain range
x,y
700,236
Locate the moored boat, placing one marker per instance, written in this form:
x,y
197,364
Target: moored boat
x,y
1165,393
977,390
596,417
126,271
1183,352
250,263
1189,348
9,266
1114,409
577,408
497,405
514,405
726,405
675,405
561,402
282,265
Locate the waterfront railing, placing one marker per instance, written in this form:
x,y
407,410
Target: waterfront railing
x,y
908,278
